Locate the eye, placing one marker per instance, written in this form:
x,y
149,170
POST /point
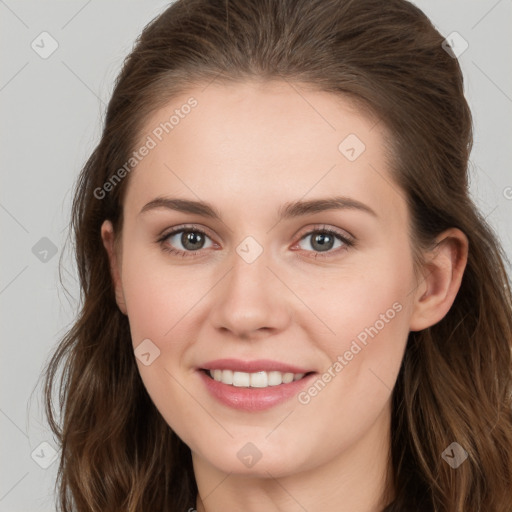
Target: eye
x,y
191,240
186,241
323,240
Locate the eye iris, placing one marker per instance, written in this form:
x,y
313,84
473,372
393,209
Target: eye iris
x,y
194,238
322,241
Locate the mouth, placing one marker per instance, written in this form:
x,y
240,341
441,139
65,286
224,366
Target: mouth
x,y
260,379
253,385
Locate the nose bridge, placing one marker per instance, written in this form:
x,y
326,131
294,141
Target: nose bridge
x,y
249,278
250,297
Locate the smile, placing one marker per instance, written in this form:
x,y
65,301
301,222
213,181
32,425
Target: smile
x,y
254,385
259,379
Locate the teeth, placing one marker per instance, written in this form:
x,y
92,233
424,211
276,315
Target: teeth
x,y
254,380
259,380
241,379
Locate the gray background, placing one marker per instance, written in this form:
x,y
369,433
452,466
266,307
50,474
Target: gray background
x,y
51,112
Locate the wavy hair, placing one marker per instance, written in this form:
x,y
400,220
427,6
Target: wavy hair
x,y
455,382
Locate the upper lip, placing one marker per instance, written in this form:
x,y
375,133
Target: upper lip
x,y
257,365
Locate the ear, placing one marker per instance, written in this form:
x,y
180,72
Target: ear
x,y
108,237
442,276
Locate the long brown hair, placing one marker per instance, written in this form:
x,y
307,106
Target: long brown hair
x,y
118,454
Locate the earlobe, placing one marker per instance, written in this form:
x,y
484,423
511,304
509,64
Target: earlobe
x,y
444,268
108,238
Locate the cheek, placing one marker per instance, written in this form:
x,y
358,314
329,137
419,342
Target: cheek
x,y
158,297
367,314
159,301
366,301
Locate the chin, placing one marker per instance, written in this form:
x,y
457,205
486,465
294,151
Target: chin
x,y
257,459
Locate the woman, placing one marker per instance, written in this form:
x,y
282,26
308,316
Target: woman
x,y
290,301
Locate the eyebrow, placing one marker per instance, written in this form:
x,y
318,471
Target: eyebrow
x,y
287,211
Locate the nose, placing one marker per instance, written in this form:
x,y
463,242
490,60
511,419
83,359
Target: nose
x,y
251,301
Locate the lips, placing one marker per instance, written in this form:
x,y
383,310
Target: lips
x,y
253,385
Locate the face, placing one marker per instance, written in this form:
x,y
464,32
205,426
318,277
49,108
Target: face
x,y
301,308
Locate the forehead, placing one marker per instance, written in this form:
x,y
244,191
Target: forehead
x,y
253,143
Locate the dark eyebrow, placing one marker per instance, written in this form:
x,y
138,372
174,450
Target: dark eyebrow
x,y
183,205
287,211
298,208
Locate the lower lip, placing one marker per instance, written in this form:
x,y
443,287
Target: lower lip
x,y
253,399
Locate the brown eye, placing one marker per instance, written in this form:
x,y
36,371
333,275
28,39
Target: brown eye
x,y
185,242
192,240
324,242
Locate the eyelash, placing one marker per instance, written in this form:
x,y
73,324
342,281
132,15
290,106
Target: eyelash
x,y
348,242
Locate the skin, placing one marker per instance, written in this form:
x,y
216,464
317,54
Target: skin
x,y
247,149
